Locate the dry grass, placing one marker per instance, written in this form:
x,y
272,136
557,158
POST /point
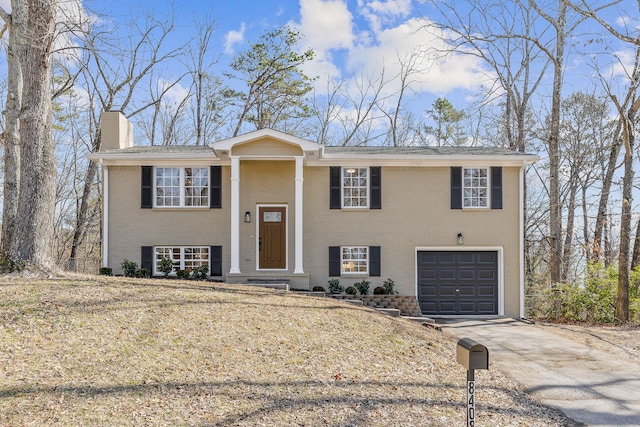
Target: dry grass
x,y
111,351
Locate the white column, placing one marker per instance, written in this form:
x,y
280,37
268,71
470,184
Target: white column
x,y
521,207
105,215
235,216
299,269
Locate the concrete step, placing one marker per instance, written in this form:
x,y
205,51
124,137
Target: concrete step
x,y
393,312
282,286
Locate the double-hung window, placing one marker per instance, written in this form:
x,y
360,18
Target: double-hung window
x,y
355,187
475,188
354,259
183,257
181,187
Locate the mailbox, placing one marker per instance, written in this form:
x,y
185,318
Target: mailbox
x,y
472,355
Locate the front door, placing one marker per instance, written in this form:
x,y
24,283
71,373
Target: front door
x,y
272,237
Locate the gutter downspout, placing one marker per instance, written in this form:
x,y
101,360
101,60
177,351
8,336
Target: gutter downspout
x,y
521,234
105,214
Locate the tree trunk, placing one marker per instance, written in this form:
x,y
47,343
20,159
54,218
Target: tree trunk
x,y
601,219
31,243
555,208
568,238
16,27
83,213
635,257
622,299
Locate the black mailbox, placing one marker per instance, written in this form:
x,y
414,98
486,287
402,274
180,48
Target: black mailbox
x,y
472,355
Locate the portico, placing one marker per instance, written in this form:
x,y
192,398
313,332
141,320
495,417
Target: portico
x,y
270,147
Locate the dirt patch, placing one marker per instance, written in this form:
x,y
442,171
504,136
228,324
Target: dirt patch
x,y
621,341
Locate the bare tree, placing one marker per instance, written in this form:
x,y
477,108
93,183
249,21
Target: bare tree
x,y
32,30
111,79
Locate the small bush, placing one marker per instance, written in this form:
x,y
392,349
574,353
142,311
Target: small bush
x,y
388,287
143,273
318,289
129,268
105,271
335,287
363,287
183,274
200,273
379,290
165,266
351,290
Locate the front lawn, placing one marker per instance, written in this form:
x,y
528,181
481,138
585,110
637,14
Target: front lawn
x,y
114,351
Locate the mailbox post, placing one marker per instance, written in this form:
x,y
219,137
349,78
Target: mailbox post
x,y
472,356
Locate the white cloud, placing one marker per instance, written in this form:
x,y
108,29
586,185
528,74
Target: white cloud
x,y
379,13
6,5
326,24
233,38
434,73
175,95
386,38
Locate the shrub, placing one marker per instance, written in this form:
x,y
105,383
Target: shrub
x,y
335,287
105,271
363,287
379,290
183,274
200,273
388,287
129,268
350,291
318,289
143,273
165,266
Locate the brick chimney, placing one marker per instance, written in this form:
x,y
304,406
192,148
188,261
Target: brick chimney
x,y
116,131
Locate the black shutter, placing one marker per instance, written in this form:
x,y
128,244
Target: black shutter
x,y
334,187
374,261
146,258
146,200
215,187
334,261
456,187
215,260
496,187
376,187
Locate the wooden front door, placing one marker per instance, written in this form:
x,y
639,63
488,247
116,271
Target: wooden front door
x,y
272,238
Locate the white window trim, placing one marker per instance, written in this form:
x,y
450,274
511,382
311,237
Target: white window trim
x,y
181,260
355,273
342,170
182,184
488,205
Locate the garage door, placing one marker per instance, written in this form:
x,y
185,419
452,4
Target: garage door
x,y
451,282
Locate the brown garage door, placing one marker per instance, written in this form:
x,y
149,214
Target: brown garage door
x,y
464,282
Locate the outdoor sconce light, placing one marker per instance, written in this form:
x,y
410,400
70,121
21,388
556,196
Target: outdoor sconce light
x,y
247,216
460,239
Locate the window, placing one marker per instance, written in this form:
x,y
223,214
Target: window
x,y
355,187
183,257
355,259
181,187
475,188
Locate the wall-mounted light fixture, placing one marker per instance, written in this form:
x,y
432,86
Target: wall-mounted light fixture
x,y
247,216
460,239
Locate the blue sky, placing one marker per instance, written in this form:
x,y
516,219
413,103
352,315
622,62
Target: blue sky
x,y
349,37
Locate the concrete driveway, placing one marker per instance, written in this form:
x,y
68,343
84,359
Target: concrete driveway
x,y
590,386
